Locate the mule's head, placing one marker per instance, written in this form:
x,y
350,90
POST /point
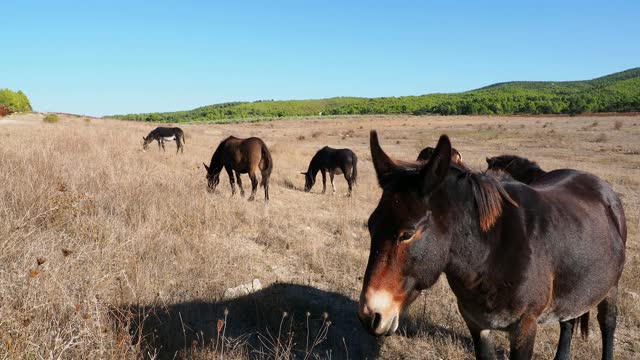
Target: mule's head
x,y
309,181
213,177
409,238
145,142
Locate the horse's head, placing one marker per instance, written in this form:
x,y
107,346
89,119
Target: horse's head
x,y
213,177
309,181
410,240
145,142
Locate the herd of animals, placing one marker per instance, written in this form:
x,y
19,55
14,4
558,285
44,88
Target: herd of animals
x,y
519,246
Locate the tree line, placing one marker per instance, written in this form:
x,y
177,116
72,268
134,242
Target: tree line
x,y
619,92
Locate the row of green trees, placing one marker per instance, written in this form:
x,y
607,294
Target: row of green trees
x,y
619,92
15,101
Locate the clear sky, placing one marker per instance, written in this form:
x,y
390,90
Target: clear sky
x,y
113,57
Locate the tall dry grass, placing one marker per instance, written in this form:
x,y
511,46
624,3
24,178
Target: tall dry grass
x,y
109,252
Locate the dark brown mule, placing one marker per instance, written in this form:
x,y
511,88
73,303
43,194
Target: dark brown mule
x,y
520,169
334,161
242,156
552,257
426,153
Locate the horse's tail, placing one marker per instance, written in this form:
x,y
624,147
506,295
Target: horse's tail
x,y
354,172
583,322
268,165
183,137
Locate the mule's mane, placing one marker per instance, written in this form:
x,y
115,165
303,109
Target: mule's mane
x,y
488,193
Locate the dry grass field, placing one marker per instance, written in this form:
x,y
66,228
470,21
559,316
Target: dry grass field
x,y
110,252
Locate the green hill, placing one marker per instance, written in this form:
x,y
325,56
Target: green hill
x,y
15,101
619,92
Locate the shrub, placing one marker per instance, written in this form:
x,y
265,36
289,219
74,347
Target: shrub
x,y
51,118
5,110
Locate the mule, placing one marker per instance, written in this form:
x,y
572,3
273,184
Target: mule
x,y
335,162
162,134
519,168
514,255
426,153
244,156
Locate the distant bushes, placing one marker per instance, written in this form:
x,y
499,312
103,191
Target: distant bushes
x,y
5,110
619,92
51,118
14,101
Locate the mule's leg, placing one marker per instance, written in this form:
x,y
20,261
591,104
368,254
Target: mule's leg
x,y
564,344
178,144
266,189
607,313
231,181
333,186
254,185
159,145
324,181
482,343
347,177
162,143
239,184
522,338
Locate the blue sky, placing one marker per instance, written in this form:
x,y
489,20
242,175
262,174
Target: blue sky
x,y
112,57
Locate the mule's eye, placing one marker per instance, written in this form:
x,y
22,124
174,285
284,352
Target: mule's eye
x,y
406,235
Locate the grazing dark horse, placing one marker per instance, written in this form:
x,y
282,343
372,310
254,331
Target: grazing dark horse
x,y
521,169
162,134
242,156
334,161
514,255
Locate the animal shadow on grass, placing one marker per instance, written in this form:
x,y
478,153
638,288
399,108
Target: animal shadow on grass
x,y
253,322
414,327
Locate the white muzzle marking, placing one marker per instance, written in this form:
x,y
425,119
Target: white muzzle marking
x,y
381,302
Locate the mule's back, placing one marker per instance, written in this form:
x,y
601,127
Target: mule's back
x,y
574,223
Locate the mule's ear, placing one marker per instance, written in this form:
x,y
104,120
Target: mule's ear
x,y
382,163
438,165
144,138
304,173
489,161
206,167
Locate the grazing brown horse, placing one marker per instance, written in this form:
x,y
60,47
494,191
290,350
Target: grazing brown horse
x,y
242,156
514,255
521,169
334,161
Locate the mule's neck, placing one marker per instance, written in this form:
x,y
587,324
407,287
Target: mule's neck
x,y
468,251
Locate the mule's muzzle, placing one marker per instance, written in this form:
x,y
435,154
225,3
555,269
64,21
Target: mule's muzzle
x,y
378,323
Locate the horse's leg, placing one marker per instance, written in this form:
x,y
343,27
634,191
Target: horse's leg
x,y
239,184
324,181
254,185
607,313
564,344
162,142
482,343
178,144
523,337
159,145
231,181
333,186
265,183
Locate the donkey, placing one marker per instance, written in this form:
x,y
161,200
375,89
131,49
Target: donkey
x,y
514,255
520,169
242,156
162,134
335,161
